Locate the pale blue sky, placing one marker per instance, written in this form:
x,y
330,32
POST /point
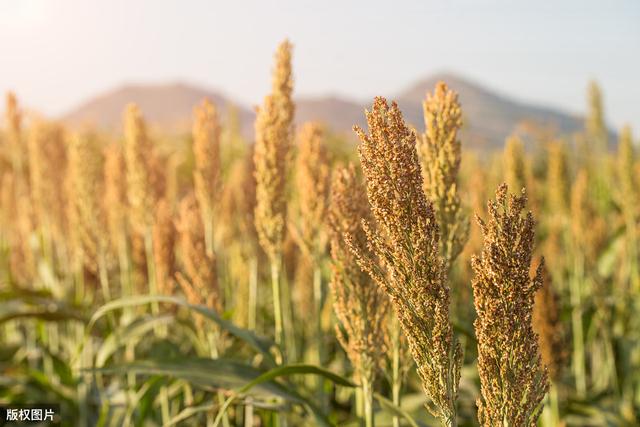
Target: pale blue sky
x,y
56,53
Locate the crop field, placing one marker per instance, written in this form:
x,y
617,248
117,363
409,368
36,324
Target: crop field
x,y
389,276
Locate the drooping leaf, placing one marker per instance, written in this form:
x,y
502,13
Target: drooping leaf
x,y
285,371
260,344
395,410
39,308
208,374
127,334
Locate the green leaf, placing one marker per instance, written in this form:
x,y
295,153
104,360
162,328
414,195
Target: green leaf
x,y
189,412
395,410
208,374
608,256
39,308
287,371
127,334
144,404
260,344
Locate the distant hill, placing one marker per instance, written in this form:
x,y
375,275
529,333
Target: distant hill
x,y
165,106
489,117
337,113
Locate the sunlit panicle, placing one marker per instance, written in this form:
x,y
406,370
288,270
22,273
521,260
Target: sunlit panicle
x,y
115,196
47,157
514,163
282,86
557,178
274,127
199,279
549,328
587,227
407,242
512,379
557,204
312,184
626,174
206,174
18,226
138,151
86,185
360,305
439,150
595,122
13,114
13,118
164,236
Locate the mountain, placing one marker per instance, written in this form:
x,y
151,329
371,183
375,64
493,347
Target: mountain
x,y
339,114
165,106
489,117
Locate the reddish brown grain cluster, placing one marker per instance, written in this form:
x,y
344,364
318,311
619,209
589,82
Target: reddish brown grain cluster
x,y
360,305
274,128
199,283
407,242
513,381
548,325
439,150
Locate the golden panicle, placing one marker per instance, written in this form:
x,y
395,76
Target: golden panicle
x,y
548,326
164,236
138,151
158,166
292,259
557,178
199,279
439,150
35,143
115,196
274,127
515,173
206,151
312,184
301,268
140,272
557,185
228,222
626,174
7,200
22,261
239,201
475,194
282,85
47,165
594,123
407,243
248,201
13,114
17,224
85,184
579,206
360,305
588,228
8,213
171,179
13,118
513,381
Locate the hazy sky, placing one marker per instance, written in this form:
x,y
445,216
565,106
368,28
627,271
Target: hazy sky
x,y
57,53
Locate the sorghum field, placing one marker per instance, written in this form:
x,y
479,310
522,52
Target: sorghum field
x,y
300,279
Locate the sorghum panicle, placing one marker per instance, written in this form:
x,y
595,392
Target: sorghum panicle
x,y
512,379
407,242
439,150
